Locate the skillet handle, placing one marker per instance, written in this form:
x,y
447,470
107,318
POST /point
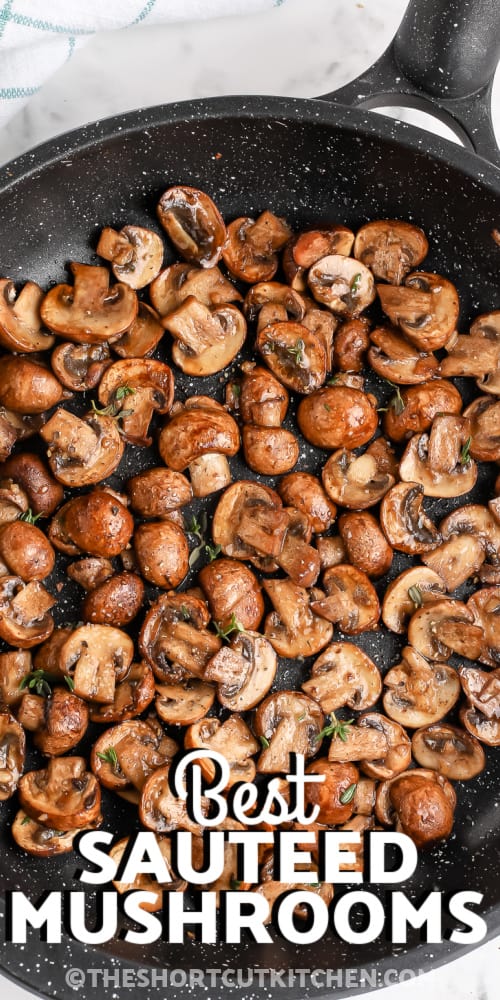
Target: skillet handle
x,y
442,60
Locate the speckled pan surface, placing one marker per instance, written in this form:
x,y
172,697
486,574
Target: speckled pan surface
x,y
309,161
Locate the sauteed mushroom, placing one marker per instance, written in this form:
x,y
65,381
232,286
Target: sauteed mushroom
x,y
126,755
132,696
395,359
396,758
448,750
329,794
199,436
82,452
14,666
175,632
184,702
79,367
26,551
286,722
231,738
336,417
64,796
89,312
43,491
251,251
206,340
404,522
136,388
158,492
263,399
341,283
443,627
116,601
422,803
441,461
312,245
43,841
485,608
484,417
135,254
24,612
162,553
419,693
350,344
180,281
96,657
365,544
292,627
95,522
344,676
425,308
27,386
250,523
414,409
356,481
270,451
244,671
58,722
20,324
390,248
305,493
231,589
142,336
351,601
13,501
12,752
411,589
194,224
162,811
456,560
476,353
295,355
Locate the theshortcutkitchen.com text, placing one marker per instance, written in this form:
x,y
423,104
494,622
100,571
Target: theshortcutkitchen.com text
x,y
356,915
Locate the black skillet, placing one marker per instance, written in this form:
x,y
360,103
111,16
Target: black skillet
x,y
309,160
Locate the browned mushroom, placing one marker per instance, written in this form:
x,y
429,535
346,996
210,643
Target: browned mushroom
x,y
185,701
413,410
231,589
14,666
43,491
162,553
26,551
445,627
478,725
132,696
64,796
396,758
24,612
404,522
12,752
350,344
89,312
262,399
295,355
206,340
116,601
28,386
79,367
43,841
390,248
250,523
175,632
482,689
351,600
485,608
286,722
158,492
456,560
231,738
304,250
194,224
148,883
478,521
448,750
425,308
304,492
82,452
162,811
410,590
356,481
251,251
331,551
135,254
244,671
20,323
365,544
58,722
270,451
180,281
419,693
95,522
133,390
341,283
330,795
395,359
96,657
421,803
441,460
344,676
337,416
476,354
271,302
46,657
13,501
484,416
142,336
127,754
199,436
292,627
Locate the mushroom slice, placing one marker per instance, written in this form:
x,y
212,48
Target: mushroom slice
x,y
421,803
411,589
485,608
448,750
46,657
24,612
148,883
294,354
456,560
20,323
133,390
338,778
263,400
344,676
395,359
425,308
286,722
179,281
355,481
351,600
390,248
194,224
80,366
297,558
89,312
12,752
127,754
419,693
14,666
162,811
315,244
199,436
270,301
82,452
359,744
249,523
64,796
13,501
292,628
445,627
206,340
142,337
476,354
244,671
482,689
341,283
231,738
28,386
132,696
251,251
484,416
490,383
440,461
350,345
232,589
474,519
184,703
485,730
135,254
337,416
96,657
305,493
398,754
270,451
175,631
58,722
42,841
404,522
32,476
413,410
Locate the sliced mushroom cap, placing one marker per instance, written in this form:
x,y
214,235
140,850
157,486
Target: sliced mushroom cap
x,y
456,560
28,386
142,336
397,756
395,359
89,573
341,283
484,729
356,481
29,471
200,436
251,251
295,355
263,399
42,841
12,752
338,778
175,632
445,627
390,248
425,308
14,666
20,323
157,492
134,389
365,544
482,689
162,553
194,224
95,522
135,254
336,417
485,608
448,750
351,600
477,520
58,722
331,551
116,601
64,796
177,282
206,340
286,722
243,671
419,693
96,657
231,738
404,522
79,367
476,354
413,411
13,501
184,702
270,451
411,589
270,302
484,416
304,492
292,628
82,452
132,696
127,754
422,802
46,657
162,811
350,344
26,551
14,427
344,676
249,523
438,460
89,312
315,244
232,589
24,612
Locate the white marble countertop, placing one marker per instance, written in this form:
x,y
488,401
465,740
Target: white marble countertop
x,y
302,48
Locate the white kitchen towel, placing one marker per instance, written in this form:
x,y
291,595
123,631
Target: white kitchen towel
x,y
38,36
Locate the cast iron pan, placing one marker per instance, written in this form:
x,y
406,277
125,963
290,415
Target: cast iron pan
x,y
310,160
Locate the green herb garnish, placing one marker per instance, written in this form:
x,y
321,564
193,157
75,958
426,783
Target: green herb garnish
x,y
25,820
29,516
415,595
355,283
235,884
265,742
113,409
109,757
337,729
465,453
348,795
198,528
185,612
297,351
38,681
213,551
233,626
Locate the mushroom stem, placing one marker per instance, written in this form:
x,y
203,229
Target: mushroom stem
x,y
209,473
